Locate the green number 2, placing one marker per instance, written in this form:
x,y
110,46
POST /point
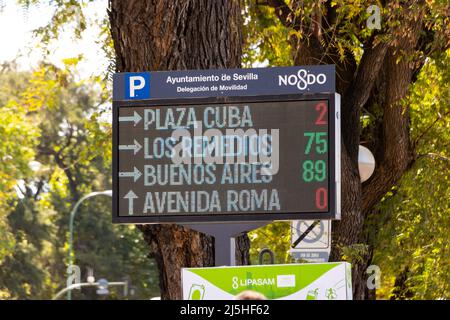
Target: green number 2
x,y
320,139
314,171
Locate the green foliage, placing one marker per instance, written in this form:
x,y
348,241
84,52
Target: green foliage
x,y
266,38
66,12
28,271
412,223
114,252
354,253
68,16
17,143
73,146
412,248
57,120
276,237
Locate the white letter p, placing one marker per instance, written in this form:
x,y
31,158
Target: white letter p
x,y
136,83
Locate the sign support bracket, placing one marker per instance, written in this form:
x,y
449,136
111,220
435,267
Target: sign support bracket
x,y
224,237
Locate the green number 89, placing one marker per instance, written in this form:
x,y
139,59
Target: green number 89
x,y
314,171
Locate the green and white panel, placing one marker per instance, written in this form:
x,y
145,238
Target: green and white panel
x,y
311,281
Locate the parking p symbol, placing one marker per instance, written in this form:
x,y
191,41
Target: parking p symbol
x,y
137,86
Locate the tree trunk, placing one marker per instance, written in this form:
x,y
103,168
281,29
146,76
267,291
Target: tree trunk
x,y
155,35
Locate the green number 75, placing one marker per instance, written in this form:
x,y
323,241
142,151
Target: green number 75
x,y
320,139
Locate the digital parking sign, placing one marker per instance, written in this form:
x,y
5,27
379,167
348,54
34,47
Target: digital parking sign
x,y
226,145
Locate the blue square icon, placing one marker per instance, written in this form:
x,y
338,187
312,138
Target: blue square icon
x,y
137,86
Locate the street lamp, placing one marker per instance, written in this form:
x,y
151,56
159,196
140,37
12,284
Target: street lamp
x,y
366,163
72,218
102,287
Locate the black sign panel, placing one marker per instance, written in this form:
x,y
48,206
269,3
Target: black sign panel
x,y
224,82
226,159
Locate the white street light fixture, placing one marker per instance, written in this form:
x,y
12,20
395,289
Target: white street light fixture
x,y
90,277
102,287
366,163
35,165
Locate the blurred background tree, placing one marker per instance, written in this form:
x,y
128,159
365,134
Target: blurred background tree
x,y
62,150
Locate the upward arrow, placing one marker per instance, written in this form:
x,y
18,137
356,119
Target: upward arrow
x,y
136,147
130,196
134,118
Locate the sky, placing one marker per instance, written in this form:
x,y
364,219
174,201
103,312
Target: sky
x,y
17,42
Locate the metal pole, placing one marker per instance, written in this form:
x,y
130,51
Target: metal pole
x,y
224,248
86,284
71,221
224,234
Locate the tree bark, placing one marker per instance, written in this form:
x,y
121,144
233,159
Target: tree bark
x,y
176,35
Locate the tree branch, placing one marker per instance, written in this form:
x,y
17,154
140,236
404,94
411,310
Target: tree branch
x,y
39,188
358,93
440,117
433,155
72,183
316,20
284,13
395,153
